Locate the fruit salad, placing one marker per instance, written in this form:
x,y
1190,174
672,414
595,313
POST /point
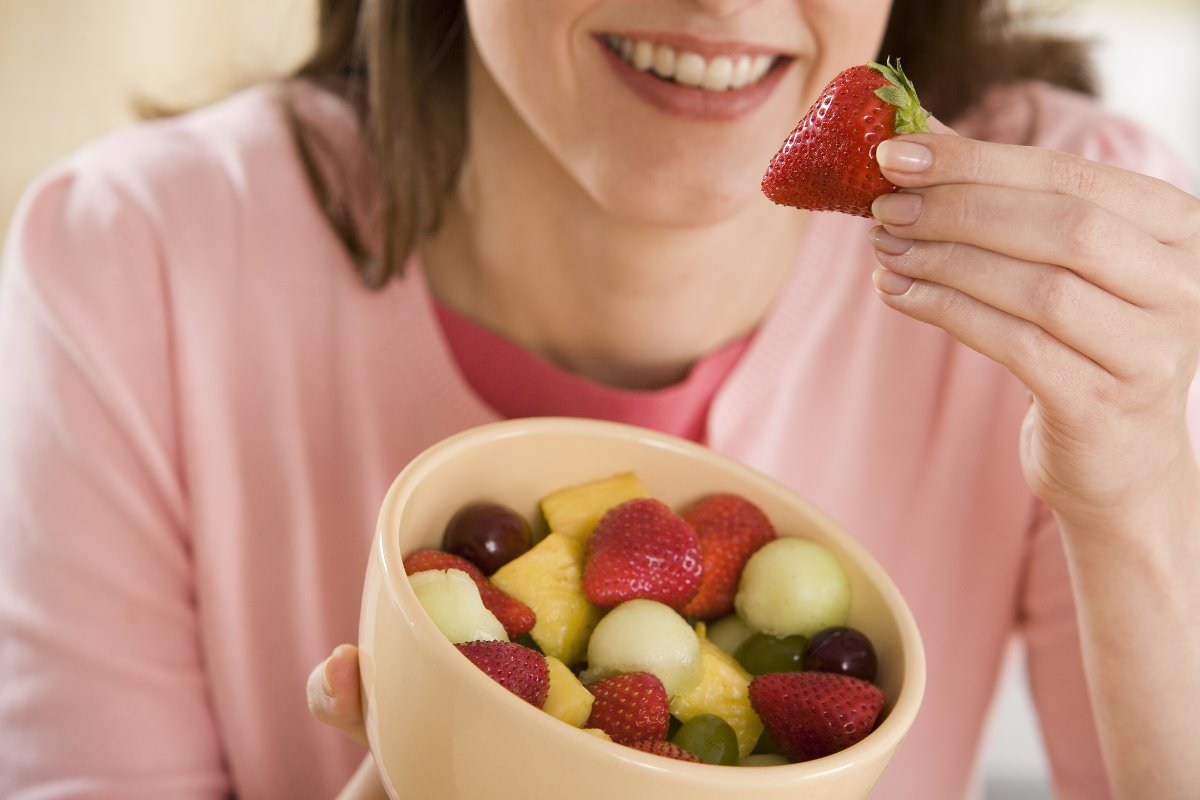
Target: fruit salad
x,y
696,633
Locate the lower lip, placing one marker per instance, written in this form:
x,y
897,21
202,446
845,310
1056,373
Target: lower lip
x,y
691,103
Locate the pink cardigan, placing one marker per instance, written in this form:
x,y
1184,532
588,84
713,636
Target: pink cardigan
x,y
201,409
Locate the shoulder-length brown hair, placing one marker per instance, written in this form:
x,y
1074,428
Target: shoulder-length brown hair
x,y
401,64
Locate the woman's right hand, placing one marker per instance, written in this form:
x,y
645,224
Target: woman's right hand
x,y
334,698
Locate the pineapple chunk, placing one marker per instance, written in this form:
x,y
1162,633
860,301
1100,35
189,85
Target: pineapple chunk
x,y
568,700
599,734
724,690
574,511
549,579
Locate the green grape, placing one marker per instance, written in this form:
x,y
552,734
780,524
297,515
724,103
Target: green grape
x,y
763,760
525,640
709,738
762,653
765,746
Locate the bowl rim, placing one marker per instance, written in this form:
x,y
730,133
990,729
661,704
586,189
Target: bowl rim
x,y
387,549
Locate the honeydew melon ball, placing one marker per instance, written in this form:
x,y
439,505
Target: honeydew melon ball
x,y
646,636
728,632
793,586
451,599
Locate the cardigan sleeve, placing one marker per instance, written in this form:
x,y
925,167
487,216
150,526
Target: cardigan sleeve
x,y
103,693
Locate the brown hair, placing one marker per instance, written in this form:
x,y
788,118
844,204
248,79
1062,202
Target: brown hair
x,y
401,64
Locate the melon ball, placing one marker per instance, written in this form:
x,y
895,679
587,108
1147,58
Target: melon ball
x,y
451,599
646,636
793,586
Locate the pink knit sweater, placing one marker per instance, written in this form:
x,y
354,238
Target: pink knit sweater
x,y
201,409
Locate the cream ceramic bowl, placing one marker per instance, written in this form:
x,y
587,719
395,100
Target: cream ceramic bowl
x,y
440,729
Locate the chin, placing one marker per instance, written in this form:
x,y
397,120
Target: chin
x,y
686,191
673,209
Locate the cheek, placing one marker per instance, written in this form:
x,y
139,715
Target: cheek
x,y
527,78
845,34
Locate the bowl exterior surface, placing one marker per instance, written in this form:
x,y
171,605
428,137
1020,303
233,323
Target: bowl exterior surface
x,y
440,728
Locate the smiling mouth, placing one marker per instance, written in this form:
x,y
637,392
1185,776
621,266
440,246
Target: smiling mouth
x,y
686,68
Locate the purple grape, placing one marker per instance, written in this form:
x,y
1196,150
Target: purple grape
x,y
489,535
843,650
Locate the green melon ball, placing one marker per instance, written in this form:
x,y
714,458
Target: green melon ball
x,y
729,632
645,636
793,586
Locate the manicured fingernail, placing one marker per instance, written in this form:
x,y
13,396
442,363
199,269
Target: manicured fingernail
x,y
897,208
903,156
892,283
885,242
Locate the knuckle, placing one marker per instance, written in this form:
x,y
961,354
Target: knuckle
x,y
1084,227
936,260
961,211
1054,294
1187,296
1071,175
948,304
1191,222
1028,344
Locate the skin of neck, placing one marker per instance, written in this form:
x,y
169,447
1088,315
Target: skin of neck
x,y
525,251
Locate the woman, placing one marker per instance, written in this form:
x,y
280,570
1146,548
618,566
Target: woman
x,y
209,401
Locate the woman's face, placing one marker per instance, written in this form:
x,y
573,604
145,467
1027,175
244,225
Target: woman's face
x,y
663,111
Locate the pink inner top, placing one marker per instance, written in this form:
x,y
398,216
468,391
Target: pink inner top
x,y
518,383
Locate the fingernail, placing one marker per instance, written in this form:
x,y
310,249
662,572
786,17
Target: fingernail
x,y
885,242
903,156
897,208
892,283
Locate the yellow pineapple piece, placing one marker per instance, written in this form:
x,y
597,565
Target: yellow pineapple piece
x,y
549,579
724,690
599,734
568,700
574,511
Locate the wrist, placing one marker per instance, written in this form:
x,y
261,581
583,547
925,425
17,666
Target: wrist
x,y
1159,521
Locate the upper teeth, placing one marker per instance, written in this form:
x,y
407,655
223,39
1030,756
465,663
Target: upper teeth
x,y
692,69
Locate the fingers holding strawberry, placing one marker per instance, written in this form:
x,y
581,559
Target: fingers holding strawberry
x,y
1082,279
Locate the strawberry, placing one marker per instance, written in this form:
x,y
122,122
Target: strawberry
x,y
828,163
516,617
630,707
731,529
813,714
519,669
642,549
661,747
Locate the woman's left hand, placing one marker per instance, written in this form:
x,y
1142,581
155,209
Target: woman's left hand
x,y
1080,278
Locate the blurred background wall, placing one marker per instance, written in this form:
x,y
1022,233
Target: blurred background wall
x,y
72,69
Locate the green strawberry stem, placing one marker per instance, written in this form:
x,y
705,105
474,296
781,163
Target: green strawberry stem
x,y
900,92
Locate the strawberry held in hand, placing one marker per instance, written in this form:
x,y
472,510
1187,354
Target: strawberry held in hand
x,y
813,714
828,163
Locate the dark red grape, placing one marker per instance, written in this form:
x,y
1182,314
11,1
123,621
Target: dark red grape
x,y
843,650
489,535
